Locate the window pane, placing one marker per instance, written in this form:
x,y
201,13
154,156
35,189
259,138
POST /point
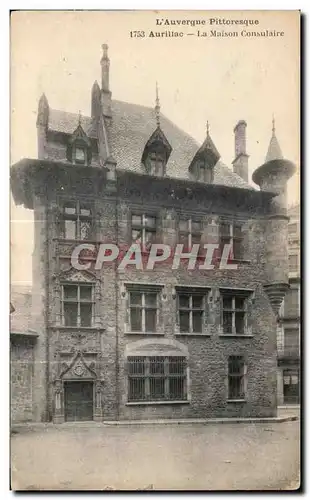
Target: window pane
x,y
197,301
176,388
86,292
136,389
237,249
86,314
136,220
70,209
239,322
157,388
80,154
196,238
70,229
196,226
84,210
183,225
70,291
227,302
136,319
237,231
150,222
292,228
225,229
136,298
184,301
149,238
184,321
136,366
151,299
239,302
157,365
197,321
177,365
70,314
150,320
235,390
236,365
227,322
136,236
85,227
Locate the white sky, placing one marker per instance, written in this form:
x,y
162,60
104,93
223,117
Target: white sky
x,y
220,80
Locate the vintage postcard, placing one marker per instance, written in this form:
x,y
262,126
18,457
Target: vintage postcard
x,y
155,248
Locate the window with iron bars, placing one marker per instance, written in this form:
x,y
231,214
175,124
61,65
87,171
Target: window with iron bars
x,y
143,308
190,232
77,305
236,377
76,221
191,310
157,378
143,230
231,234
234,313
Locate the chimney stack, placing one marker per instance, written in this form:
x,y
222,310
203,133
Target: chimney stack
x,y
240,162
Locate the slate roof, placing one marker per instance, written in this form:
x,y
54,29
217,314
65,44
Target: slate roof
x,y
132,125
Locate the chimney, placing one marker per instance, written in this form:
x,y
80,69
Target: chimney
x,y
240,162
105,89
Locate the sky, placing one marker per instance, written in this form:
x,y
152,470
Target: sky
x,y
216,79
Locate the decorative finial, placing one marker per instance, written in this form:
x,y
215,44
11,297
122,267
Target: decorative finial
x,y
273,125
80,118
208,128
157,108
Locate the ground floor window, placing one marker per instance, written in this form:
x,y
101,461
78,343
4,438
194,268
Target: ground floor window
x,y
157,378
236,377
291,386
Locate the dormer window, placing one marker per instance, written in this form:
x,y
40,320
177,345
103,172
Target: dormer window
x,y
156,154
79,147
204,161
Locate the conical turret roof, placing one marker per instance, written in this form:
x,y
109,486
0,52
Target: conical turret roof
x,y
274,151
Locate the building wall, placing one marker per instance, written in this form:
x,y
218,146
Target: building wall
x,y
22,369
208,355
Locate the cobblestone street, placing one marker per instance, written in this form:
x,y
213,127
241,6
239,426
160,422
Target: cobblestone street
x,y
85,456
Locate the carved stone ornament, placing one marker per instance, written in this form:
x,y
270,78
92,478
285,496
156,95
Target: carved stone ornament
x,y
79,370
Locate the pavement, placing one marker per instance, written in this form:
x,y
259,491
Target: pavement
x,y
153,457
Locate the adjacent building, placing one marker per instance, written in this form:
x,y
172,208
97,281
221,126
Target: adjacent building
x,y
22,355
289,319
133,342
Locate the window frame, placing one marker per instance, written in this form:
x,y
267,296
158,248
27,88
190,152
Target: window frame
x,y
78,301
143,307
247,296
78,218
190,309
189,233
231,238
143,228
166,376
242,392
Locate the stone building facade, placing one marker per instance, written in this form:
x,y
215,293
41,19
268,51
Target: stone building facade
x,y
22,355
289,320
123,342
